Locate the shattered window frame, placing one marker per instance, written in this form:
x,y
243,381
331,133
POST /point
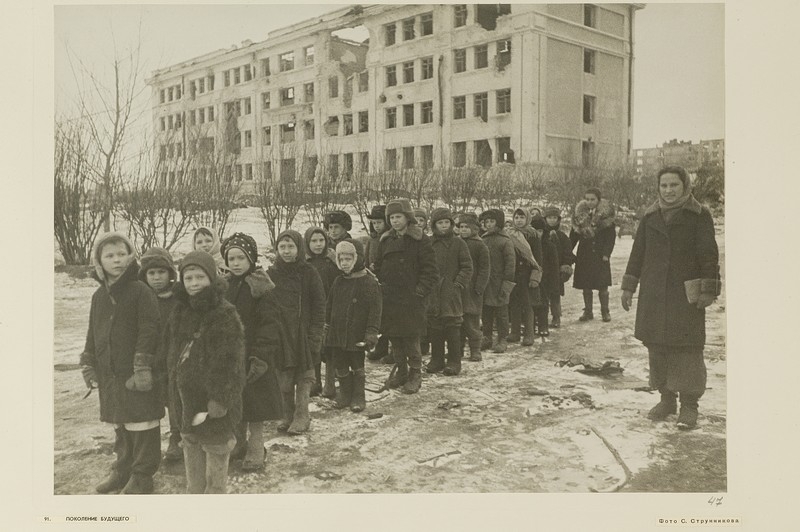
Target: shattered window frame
x,y
288,132
426,24
459,60
265,100
286,60
481,105
347,124
481,56
287,95
308,91
426,67
390,34
363,121
503,101
460,15
409,31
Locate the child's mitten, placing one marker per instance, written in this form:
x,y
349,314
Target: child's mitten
x,y
215,409
142,378
565,272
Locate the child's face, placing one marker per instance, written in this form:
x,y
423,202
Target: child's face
x,y
398,221
552,221
158,279
287,250
203,242
489,224
420,221
442,225
378,225
114,258
336,231
520,220
464,230
346,262
238,263
195,279
592,200
317,244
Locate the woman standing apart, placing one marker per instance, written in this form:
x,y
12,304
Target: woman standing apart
x,y
674,244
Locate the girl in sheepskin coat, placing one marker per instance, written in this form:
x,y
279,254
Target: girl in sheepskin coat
x,y
251,290
674,245
445,309
472,300
205,347
594,231
501,279
299,291
119,359
322,257
557,261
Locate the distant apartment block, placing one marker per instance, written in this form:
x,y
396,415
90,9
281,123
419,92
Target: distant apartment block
x,y
682,153
432,86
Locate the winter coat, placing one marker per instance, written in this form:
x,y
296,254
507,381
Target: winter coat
x,y
124,321
502,259
253,295
301,295
595,236
353,310
556,252
325,264
406,269
333,242
215,366
455,272
371,251
662,258
481,268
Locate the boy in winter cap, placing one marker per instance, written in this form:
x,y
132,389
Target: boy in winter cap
x,y
352,322
421,215
128,377
501,279
377,226
204,344
337,223
158,271
406,268
473,292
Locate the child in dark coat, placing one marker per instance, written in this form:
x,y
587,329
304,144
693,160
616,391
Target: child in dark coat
x,y
377,226
205,346
446,309
525,296
299,291
158,271
473,292
119,359
352,322
557,261
251,290
322,257
501,279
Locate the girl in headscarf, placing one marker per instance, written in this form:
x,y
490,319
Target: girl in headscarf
x,y
206,239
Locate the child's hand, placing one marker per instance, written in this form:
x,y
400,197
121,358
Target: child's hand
x,y
215,409
89,376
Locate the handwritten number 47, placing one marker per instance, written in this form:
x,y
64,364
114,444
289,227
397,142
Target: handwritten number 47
x,y
715,501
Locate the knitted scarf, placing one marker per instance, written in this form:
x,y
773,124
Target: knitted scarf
x,y
669,210
521,245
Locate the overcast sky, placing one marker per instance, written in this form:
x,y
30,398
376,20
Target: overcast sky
x,y
679,53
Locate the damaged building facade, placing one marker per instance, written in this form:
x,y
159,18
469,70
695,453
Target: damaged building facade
x,y
432,86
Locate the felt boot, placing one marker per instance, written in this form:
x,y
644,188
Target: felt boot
x,y
588,302
329,389
344,395
138,485
174,452
453,338
240,449
475,352
604,308
254,459
530,327
436,364
359,400
486,343
500,346
398,376
302,420
146,459
687,417
414,381
316,388
288,410
667,406
121,468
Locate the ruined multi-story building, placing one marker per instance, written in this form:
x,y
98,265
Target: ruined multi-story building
x,y
432,86
683,153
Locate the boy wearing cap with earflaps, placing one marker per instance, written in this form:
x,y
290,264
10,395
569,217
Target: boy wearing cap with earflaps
x,y
205,348
337,224
119,359
406,268
352,322
501,279
473,292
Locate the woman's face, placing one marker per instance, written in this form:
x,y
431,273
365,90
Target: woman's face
x,y
670,187
592,200
317,244
203,242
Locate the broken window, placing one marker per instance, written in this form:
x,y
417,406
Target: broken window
x,y
427,67
288,170
408,114
459,154
265,100
408,29
426,24
332,126
481,107
589,15
347,123
588,109
503,101
391,76
287,133
266,136
390,159
408,72
287,96
503,53
248,139
426,112
460,60
286,61
588,61
427,156
504,152
348,165
308,89
391,118
308,52
389,31
587,152
363,161
265,67
248,172
308,129
363,81
459,15
483,153
481,56
459,107
333,87
408,158
363,121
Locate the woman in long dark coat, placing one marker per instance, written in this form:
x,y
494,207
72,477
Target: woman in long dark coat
x,y
674,244
594,231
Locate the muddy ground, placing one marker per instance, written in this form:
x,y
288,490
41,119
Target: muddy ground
x,y
482,431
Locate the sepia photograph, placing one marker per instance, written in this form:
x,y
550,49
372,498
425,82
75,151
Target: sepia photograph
x,y
389,249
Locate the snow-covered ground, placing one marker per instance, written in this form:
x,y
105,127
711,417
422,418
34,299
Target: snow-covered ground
x,y
479,432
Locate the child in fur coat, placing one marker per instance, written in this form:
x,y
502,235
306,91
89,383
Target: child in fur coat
x,y
352,322
204,343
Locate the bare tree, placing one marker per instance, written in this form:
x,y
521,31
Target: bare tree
x,y
279,203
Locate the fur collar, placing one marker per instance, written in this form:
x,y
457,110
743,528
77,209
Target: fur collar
x,y
259,282
413,230
586,223
692,206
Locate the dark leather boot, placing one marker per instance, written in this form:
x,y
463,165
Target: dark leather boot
x,y
174,452
588,302
329,389
414,381
146,459
398,376
121,468
436,364
359,400
316,388
288,411
453,339
530,327
687,417
666,407
604,308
